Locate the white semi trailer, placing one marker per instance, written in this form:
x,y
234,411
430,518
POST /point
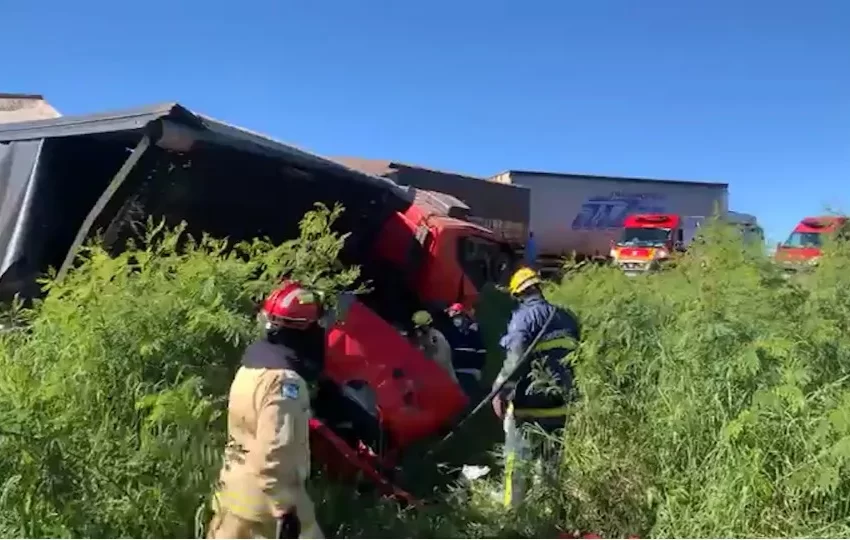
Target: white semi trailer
x,y
582,215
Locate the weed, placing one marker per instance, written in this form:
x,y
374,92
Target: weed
x,y
714,398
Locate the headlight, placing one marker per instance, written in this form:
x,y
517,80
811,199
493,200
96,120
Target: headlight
x,y
612,253
661,254
813,261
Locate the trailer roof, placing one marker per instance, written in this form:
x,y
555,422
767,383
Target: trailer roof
x,y
135,120
385,166
575,176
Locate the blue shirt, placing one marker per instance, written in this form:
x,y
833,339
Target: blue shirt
x,y
530,251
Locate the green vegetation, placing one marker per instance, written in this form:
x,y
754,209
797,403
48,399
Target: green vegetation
x,y
112,397
714,398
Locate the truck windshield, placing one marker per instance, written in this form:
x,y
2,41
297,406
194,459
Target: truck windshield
x,y
483,260
752,233
654,236
803,239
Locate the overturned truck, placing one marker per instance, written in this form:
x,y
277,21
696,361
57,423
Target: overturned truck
x,y
63,179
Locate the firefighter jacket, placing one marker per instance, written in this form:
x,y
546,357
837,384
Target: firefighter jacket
x,y
550,351
468,352
434,345
267,459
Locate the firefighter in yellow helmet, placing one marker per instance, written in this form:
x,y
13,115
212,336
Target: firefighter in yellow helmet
x,y
432,342
267,460
518,404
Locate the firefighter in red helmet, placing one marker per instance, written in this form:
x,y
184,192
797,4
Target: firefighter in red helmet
x,y
262,491
468,352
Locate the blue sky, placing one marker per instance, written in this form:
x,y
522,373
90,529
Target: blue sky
x,y
755,93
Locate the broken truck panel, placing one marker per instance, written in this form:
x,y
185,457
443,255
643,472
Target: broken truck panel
x,y
441,204
220,178
405,393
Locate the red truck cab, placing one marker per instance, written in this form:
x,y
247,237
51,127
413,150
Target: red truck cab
x,y
647,240
419,259
804,244
442,259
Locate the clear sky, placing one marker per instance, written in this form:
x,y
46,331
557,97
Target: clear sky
x,y
755,93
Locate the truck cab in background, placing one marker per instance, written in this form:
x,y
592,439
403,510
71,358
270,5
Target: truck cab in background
x,y
804,245
648,240
747,225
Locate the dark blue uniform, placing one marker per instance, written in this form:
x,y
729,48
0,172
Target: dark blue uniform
x,y
534,405
468,354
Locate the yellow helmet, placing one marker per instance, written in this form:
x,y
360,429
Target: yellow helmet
x,y
422,318
522,279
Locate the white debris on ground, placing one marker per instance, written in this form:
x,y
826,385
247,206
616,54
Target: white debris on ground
x,y
474,472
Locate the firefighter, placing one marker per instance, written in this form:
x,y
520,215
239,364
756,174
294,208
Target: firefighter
x,y
517,406
468,352
267,459
432,342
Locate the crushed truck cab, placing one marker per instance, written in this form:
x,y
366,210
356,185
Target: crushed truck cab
x,y
445,260
380,395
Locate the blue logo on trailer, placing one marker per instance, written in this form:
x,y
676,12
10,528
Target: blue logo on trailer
x,y
608,211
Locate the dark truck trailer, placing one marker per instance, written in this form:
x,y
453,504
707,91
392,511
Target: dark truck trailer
x,y
504,209
64,179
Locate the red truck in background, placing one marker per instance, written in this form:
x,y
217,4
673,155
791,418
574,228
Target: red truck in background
x,y
648,240
803,247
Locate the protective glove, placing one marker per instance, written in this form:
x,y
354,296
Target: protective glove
x,y
288,525
498,407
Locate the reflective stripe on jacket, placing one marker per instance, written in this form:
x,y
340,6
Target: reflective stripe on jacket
x,y
267,459
468,353
551,349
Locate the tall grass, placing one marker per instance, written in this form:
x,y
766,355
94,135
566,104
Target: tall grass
x,y
112,395
714,398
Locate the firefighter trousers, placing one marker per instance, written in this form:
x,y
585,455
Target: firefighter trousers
x,y
532,449
226,524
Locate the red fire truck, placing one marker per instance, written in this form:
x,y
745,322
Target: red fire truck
x,y
648,240
804,245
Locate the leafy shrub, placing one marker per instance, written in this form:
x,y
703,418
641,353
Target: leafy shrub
x,y
714,398
112,398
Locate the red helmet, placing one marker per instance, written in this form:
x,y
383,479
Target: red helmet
x,y
455,309
290,306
